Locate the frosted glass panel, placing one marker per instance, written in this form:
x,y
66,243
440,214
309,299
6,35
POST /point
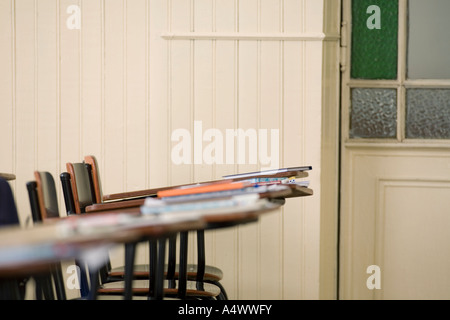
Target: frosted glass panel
x,y
429,39
373,113
428,113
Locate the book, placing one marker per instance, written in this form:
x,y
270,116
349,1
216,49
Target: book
x,y
157,206
292,179
203,188
256,189
302,183
283,172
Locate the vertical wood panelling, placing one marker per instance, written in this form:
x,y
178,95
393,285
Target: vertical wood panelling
x,y
313,14
182,98
25,86
60,165
136,73
7,86
312,154
293,150
225,101
47,95
181,87
114,117
270,236
115,112
158,94
92,77
204,108
117,89
248,113
70,89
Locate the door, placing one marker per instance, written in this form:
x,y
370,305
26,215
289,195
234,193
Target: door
x,y
395,150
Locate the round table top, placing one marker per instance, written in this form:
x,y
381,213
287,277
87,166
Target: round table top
x,y
7,176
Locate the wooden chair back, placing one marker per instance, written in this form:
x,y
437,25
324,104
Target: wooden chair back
x,y
44,205
80,186
46,195
95,175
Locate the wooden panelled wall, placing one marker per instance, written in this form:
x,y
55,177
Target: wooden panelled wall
x,y
134,71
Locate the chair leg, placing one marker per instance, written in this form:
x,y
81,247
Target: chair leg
x,y
159,285
201,255
130,254
84,286
9,290
172,258
182,272
94,279
44,287
59,282
201,265
38,289
152,268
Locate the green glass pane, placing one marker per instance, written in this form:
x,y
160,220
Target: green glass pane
x,y
374,39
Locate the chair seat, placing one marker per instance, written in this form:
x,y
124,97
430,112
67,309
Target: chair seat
x,y
141,271
142,287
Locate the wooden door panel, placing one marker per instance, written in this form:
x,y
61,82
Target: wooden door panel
x,y
395,214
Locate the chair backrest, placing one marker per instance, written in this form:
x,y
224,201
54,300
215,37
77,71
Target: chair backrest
x,y
44,205
34,202
95,175
80,185
8,209
47,196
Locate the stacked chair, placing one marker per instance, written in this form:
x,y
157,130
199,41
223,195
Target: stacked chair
x,y
200,271
44,207
79,195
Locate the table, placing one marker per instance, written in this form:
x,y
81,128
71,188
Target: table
x,y
223,218
152,192
25,250
33,250
156,230
215,219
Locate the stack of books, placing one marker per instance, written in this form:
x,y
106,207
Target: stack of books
x,y
207,197
233,193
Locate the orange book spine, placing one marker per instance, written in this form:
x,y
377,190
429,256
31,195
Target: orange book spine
x,y
202,189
